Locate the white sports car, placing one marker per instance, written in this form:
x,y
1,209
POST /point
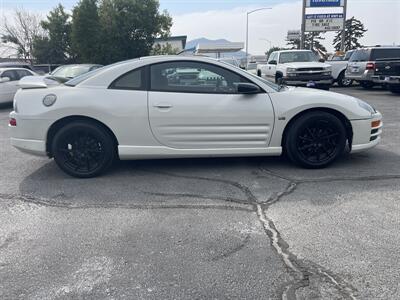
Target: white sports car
x,y
173,106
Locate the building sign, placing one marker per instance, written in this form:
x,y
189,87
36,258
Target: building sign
x,y
324,22
325,3
293,35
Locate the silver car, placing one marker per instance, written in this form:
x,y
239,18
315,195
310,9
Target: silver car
x,y
361,66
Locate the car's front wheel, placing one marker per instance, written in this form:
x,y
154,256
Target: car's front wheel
x,y
395,89
83,149
315,139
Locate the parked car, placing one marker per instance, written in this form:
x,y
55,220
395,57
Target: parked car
x,y
339,66
232,61
387,72
132,110
9,78
16,64
298,68
44,69
252,68
68,72
362,64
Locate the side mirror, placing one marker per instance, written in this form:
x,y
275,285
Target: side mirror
x,y
272,62
5,79
247,88
321,60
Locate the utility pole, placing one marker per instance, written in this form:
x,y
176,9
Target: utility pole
x,y
344,26
247,31
303,25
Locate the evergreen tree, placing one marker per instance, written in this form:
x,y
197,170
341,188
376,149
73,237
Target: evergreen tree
x,y
55,47
354,31
85,34
311,41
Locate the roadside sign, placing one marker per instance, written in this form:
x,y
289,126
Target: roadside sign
x,y
324,3
293,35
324,22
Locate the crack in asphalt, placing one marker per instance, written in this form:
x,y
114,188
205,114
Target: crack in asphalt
x,y
48,203
301,271
234,250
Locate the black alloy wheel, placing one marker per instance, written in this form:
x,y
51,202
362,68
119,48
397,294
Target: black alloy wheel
x,y
83,149
316,139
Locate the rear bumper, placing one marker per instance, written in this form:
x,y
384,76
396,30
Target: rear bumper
x,y
366,76
383,79
34,147
365,136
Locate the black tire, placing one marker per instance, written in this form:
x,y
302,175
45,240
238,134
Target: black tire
x,y
342,81
367,85
259,73
83,149
279,79
315,140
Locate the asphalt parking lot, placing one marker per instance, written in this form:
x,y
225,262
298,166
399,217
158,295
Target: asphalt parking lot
x,y
237,228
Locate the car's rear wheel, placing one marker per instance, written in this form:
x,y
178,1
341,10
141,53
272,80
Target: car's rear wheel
x,y
315,140
83,149
343,81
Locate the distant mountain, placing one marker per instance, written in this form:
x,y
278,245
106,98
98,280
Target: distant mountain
x,y
194,43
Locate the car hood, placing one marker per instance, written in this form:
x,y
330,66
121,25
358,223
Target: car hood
x,y
310,64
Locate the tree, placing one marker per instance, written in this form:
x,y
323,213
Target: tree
x,y
273,49
55,47
129,27
19,34
311,41
164,50
85,35
354,31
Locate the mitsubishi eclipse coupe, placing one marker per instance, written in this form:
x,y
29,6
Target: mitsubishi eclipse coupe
x,y
173,106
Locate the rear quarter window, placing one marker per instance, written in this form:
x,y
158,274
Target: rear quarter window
x,y
360,55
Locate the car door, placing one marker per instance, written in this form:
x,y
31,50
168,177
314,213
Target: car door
x,y
9,88
271,67
194,105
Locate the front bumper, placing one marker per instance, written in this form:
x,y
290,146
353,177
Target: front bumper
x,y
304,80
365,135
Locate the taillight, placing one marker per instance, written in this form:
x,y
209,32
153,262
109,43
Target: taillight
x,y
13,122
370,66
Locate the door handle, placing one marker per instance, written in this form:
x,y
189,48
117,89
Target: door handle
x,y
162,105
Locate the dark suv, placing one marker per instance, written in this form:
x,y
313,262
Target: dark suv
x,y
362,64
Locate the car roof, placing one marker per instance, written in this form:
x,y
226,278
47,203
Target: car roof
x,y
80,65
11,69
294,50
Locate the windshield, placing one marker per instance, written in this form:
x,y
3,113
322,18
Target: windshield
x,y
272,85
297,56
71,71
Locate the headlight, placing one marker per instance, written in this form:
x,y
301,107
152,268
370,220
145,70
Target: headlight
x,y
291,70
329,68
327,73
366,106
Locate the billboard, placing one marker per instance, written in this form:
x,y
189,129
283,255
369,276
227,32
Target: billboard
x,y
325,3
324,22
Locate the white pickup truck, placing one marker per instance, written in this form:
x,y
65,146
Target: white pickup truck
x,y
339,66
298,68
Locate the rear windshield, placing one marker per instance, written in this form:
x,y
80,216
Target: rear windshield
x,y
360,55
385,54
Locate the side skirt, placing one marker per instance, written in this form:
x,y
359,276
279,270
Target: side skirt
x,y
148,152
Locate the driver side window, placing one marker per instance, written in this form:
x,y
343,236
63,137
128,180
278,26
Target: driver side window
x,y
193,77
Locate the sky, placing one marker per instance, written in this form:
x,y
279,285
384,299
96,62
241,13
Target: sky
x,y
215,19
